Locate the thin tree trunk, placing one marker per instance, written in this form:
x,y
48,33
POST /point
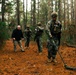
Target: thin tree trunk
x,y
52,5
50,8
59,10
75,12
24,15
71,11
26,10
34,11
64,16
75,19
68,12
31,13
56,5
3,10
38,10
18,13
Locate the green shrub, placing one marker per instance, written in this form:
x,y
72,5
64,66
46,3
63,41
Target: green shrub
x,y
33,32
3,33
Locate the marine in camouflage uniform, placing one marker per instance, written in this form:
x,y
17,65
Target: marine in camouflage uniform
x,y
38,36
28,36
53,30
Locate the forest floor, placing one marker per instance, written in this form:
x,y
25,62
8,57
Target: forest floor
x,y
31,63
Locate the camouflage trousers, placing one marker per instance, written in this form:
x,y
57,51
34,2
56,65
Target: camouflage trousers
x,y
52,48
27,42
39,44
19,43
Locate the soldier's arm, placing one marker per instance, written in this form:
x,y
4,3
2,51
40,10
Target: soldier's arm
x,y
48,29
60,25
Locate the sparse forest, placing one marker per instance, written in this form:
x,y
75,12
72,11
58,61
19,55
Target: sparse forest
x,y
30,12
14,12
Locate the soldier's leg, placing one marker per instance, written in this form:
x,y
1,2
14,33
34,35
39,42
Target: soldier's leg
x,y
54,53
50,47
14,43
49,52
20,44
39,43
55,49
28,40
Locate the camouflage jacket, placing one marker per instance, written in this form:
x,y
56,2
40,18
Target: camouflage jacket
x,y
38,32
53,29
28,32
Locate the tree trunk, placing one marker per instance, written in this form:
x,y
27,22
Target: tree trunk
x,y
64,16
3,10
56,5
38,11
31,14
50,8
72,12
24,15
26,11
34,12
75,19
68,12
59,10
75,12
18,13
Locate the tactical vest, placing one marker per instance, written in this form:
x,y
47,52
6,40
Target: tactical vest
x,y
28,33
55,28
39,31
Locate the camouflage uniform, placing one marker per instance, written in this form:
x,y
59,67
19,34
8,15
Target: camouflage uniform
x,y
53,30
38,37
28,36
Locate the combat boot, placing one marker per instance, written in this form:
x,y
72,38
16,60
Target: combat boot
x,y
15,50
40,53
53,60
49,60
22,50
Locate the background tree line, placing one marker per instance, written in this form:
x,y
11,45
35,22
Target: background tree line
x,y
13,12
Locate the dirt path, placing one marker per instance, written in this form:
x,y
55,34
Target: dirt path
x,y
31,63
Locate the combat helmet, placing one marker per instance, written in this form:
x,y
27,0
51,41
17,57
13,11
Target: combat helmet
x,y
39,24
28,26
54,14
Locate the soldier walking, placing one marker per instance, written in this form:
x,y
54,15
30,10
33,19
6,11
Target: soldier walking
x,y
38,36
53,30
28,36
